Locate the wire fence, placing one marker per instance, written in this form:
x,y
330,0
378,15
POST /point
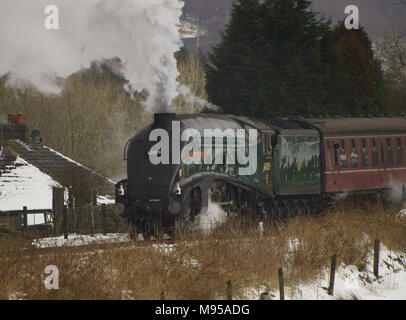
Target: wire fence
x,y
90,219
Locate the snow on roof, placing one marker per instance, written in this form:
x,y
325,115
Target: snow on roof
x,y
78,164
22,184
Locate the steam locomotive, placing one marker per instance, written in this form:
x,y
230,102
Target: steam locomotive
x,y
298,164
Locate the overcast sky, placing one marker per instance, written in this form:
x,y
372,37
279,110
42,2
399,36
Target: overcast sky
x,y
376,16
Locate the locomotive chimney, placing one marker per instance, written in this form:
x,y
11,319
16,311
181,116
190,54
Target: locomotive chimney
x,y
164,120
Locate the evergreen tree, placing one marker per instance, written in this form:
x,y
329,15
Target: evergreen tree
x,y
366,94
272,60
278,57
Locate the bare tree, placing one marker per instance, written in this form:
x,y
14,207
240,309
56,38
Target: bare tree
x,y
391,50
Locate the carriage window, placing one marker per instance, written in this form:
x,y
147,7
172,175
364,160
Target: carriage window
x,y
330,155
354,154
364,154
399,152
374,153
343,155
389,152
267,144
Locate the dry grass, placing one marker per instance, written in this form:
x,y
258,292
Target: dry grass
x,y
197,267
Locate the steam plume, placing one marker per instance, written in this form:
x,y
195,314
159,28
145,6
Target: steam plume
x,y
144,34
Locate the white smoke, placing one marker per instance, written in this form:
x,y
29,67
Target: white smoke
x,y
395,192
144,34
196,104
210,218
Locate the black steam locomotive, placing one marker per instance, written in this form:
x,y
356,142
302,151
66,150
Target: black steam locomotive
x,y
298,163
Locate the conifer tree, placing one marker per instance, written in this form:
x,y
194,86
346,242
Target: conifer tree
x,y
278,57
366,92
270,61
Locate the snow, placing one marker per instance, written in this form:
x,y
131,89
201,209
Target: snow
x,y
25,185
35,219
105,200
191,30
77,163
80,240
23,144
351,283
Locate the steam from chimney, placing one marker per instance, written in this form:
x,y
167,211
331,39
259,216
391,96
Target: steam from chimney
x,y
144,34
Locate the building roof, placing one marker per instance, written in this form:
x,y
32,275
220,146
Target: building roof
x,y
28,171
22,184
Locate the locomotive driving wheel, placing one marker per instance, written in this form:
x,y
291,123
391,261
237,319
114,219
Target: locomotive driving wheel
x,y
196,203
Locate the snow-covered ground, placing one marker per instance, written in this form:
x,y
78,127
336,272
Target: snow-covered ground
x,y
105,200
350,283
80,240
25,185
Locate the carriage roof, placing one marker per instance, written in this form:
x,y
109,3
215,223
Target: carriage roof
x,y
359,126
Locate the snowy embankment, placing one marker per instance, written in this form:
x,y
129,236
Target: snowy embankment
x,y
81,240
350,283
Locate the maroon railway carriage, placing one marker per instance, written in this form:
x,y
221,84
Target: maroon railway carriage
x,y
362,154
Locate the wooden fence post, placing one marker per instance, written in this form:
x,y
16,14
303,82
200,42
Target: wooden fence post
x,y
281,285
261,228
57,208
71,211
332,274
229,290
65,223
90,218
103,212
93,203
376,257
265,296
1,138
25,217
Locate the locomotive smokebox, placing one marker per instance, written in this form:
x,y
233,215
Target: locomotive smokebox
x,y
164,120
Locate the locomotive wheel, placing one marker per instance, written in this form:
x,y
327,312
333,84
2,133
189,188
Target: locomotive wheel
x,y
216,196
196,203
230,198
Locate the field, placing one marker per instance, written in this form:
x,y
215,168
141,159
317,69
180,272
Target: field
x,y
198,266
